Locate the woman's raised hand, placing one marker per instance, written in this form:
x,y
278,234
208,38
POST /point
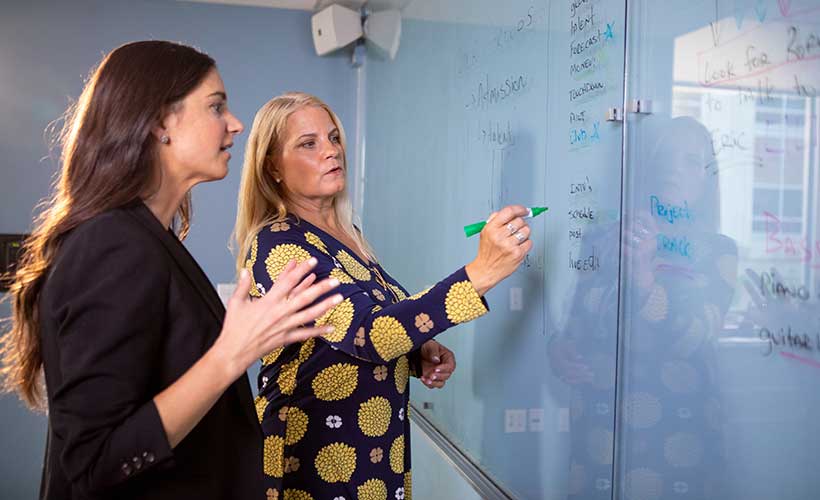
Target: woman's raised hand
x,y
254,328
504,242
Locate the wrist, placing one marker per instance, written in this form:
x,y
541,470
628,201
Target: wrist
x,y
222,365
478,278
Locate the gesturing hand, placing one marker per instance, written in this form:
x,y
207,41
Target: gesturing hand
x,y
253,328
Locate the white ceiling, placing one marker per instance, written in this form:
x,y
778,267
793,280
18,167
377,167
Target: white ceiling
x,y
454,11
312,5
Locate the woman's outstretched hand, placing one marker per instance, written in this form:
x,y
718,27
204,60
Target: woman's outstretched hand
x,y
254,328
504,242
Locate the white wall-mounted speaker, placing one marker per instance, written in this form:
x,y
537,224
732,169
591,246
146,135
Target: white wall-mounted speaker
x,y
382,31
335,27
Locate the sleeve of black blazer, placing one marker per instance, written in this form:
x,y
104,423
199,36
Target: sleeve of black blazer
x,y
110,292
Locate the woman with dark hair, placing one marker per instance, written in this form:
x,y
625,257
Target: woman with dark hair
x,y
144,370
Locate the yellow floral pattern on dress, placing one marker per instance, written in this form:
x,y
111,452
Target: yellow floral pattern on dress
x,y
402,374
408,485
420,294
306,350
342,276
292,494
340,317
397,455
336,382
374,416
261,403
398,291
352,266
463,303
336,463
274,449
389,338
287,377
272,356
296,427
378,294
280,255
254,291
316,241
372,489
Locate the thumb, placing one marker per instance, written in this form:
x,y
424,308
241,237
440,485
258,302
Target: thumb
x,y
243,286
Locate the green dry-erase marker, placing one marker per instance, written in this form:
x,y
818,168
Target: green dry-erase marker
x,y
476,228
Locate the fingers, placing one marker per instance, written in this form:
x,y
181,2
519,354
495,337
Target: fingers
x,y
303,285
521,235
433,384
308,315
290,276
243,287
308,296
507,214
448,362
302,334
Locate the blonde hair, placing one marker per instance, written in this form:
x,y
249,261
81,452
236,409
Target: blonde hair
x,y
261,200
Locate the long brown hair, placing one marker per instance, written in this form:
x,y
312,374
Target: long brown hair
x,y
108,160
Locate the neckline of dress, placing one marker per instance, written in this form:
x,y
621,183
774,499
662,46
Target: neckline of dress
x,y
349,250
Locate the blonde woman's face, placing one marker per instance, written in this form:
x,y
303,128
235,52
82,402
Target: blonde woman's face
x,y
311,166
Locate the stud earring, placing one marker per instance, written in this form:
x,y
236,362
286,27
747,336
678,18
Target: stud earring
x,y
165,139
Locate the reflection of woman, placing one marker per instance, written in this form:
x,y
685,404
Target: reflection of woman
x,y
674,304
145,382
334,411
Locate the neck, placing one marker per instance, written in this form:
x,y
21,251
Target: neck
x,y
165,201
320,212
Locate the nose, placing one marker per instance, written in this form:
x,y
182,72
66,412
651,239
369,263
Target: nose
x,y
332,150
234,125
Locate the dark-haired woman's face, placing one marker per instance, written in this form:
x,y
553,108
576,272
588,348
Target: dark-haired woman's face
x,y
201,131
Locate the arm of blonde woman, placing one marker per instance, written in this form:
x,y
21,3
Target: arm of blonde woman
x,y
251,330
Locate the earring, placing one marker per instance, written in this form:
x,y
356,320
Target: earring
x,y
165,139
278,180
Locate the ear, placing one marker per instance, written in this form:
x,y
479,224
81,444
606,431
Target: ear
x,y
165,126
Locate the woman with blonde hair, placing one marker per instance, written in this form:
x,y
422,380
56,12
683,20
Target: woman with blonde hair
x,y
334,410
144,370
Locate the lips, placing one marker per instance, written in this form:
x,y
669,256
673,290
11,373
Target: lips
x,y
335,170
226,147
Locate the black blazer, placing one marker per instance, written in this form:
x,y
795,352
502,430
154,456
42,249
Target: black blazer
x,y
124,312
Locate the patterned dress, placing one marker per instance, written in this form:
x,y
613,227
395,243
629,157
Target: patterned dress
x,y
334,409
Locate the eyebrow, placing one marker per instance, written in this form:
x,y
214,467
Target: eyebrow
x,y
311,135
219,94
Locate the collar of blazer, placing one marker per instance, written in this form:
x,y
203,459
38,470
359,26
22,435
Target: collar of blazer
x,y
201,283
180,254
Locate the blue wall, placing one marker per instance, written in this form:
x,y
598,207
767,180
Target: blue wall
x,y
46,50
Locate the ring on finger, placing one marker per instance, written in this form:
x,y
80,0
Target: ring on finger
x,y
520,237
512,229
